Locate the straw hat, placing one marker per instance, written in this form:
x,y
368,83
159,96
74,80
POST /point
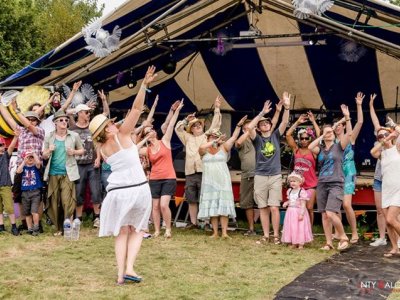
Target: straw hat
x,y
192,122
264,119
31,114
214,132
296,176
98,123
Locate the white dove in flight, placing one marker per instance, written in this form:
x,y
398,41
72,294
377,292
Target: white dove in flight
x,y
100,41
304,8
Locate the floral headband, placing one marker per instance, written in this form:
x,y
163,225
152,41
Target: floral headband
x,y
307,130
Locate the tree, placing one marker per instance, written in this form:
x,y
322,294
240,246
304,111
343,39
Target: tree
x,y
31,28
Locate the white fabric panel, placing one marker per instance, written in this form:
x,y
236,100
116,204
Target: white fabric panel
x,y
287,68
389,77
196,82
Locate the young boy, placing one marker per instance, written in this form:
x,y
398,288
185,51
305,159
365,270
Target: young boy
x,y
31,188
6,197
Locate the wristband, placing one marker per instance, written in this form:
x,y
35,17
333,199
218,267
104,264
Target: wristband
x,y
287,108
347,119
145,89
239,126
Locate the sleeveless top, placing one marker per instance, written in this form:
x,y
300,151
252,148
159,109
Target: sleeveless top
x,y
349,167
125,166
306,165
161,163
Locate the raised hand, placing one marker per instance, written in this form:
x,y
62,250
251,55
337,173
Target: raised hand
x,y
150,75
279,105
17,132
371,99
217,102
102,95
191,117
267,107
345,110
221,139
286,99
359,98
311,116
302,119
175,105
342,120
76,85
390,123
242,120
92,104
180,105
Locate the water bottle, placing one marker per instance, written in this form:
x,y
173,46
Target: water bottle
x,y
67,229
76,226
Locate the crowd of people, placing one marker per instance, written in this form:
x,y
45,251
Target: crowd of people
x,y
71,149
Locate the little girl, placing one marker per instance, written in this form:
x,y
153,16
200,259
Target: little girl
x,y
297,225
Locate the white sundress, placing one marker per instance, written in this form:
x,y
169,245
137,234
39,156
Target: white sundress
x,y
390,164
125,205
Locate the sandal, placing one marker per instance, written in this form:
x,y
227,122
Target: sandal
x,y
391,254
354,241
343,244
168,234
263,240
326,247
277,241
58,233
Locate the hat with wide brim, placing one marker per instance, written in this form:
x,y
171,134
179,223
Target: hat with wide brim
x,y
264,119
192,122
59,114
98,123
82,107
31,114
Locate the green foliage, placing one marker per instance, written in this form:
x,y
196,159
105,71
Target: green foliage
x,y
29,28
395,2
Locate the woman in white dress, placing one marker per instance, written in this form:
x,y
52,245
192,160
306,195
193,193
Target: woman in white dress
x,y
126,209
389,154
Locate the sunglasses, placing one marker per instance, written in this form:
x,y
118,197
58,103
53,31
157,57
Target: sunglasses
x,y
304,139
86,112
63,120
383,135
32,119
2,145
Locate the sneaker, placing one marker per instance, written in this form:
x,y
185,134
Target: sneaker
x,y
29,231
250,233
191,226
96,223
36,230
378,242
2,228
147,235
15,231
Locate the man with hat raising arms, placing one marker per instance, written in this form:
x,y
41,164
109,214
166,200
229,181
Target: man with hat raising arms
x,y
89,162
268,176
192,139
60,148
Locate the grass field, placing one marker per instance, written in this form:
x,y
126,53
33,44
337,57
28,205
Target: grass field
x,y
188,266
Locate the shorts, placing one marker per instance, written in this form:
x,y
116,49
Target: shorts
x,y
247,193
6,200
16,188
268,190
88,175
104,178
350,185
193,187
30,202
377,186
329,196
162,187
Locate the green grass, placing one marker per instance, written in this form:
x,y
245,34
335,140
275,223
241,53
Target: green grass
x,y
188,266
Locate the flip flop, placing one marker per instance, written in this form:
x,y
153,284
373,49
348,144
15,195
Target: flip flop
x,y
277,241
354,241
326,247
391,254
264,239
343,244
132,278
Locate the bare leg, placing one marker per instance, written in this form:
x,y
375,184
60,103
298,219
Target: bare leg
x,y
165,211
275,220
264,217
250,218
380,217
156,216
392,218
214,223
12,218
1,218
256,214
391,233
350,215
327,225
121,242
310,206
224,226
79,211
193,211
337,224
134,243
35,218
29,221
96,209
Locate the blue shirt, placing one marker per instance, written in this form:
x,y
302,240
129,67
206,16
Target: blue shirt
x,y
31,179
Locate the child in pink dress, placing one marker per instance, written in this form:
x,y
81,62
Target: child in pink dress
x,y
297,225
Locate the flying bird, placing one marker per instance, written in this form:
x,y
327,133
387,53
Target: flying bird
x,y
351,51
83,95
100,41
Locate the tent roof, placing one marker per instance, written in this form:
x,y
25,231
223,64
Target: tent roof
x,y
247,75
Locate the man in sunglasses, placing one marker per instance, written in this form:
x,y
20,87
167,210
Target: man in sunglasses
x,y
60,148
88,164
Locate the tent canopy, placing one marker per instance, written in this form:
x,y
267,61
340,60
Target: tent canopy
x,y
253,71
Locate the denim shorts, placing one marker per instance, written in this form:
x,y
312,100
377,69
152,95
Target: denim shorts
x,y
377,186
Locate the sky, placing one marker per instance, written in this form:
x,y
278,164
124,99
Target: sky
x,y
110,5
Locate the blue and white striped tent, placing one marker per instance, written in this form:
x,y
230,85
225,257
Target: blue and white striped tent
x,y
256,69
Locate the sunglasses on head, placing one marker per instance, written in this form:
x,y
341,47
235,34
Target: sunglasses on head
x,y
63,120
382,135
